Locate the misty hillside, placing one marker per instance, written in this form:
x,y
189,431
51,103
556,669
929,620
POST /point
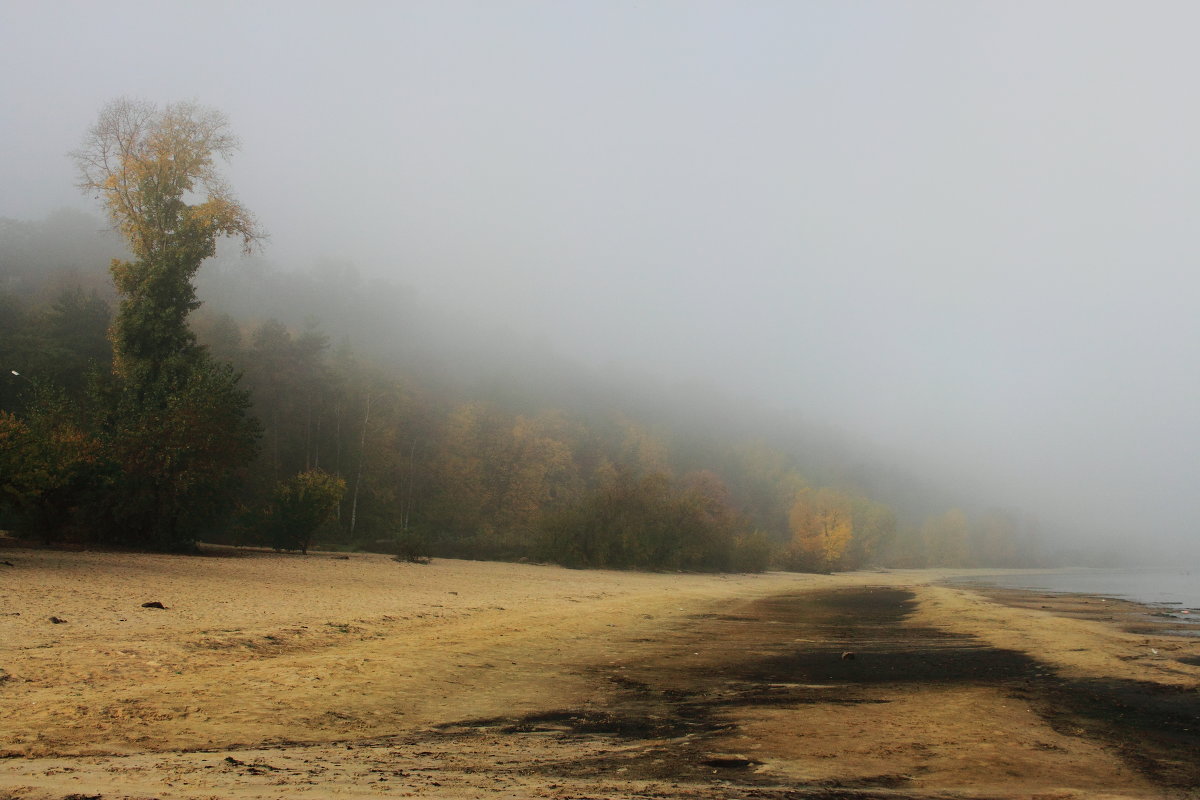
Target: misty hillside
x,y
468,439
941,252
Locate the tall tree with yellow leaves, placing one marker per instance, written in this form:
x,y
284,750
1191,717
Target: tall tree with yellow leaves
x,y
144,164
177,424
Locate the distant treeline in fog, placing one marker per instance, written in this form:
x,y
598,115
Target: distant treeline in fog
x,y
444,438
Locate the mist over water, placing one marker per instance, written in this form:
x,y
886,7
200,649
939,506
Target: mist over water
x,y
1177,590
960,234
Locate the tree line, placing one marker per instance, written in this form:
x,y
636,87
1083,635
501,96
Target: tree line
x,y
132,417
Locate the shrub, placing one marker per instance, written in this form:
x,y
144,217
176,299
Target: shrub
x,y
302,504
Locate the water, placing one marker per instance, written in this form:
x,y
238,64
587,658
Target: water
x,y
1175,591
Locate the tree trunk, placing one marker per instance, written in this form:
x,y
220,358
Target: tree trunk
x,y
362,457
408,500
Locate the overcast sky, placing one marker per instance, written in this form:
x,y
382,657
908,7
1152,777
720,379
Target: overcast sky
x,y
965,229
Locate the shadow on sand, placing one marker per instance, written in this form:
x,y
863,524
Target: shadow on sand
x,y
791,650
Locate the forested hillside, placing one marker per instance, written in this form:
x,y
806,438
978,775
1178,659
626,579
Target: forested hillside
x,y
451,440
299,408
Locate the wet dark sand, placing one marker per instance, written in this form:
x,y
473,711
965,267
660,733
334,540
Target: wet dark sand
x,y
1155,728
858,647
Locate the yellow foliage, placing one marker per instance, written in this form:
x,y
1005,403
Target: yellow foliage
x,y
145,163
822,526
541,463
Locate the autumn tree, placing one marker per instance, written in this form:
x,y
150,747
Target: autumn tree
x,y
471,466
625,522
648,521
541,472
707,521
822,525
177,422
874,532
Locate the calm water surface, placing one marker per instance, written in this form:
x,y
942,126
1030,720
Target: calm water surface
x,y
1175,590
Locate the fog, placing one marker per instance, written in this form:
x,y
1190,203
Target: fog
x,y
962,232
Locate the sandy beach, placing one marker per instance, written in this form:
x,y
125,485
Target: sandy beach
x,y
284,676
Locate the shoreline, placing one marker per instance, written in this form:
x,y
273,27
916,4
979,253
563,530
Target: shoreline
x,y
279,676
1131,616
1160,615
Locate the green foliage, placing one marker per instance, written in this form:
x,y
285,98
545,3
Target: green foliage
x,y
291,386
874,532
75,340
59,344
422,455
48,466
301,505
180,447
412,547
752,552
426,471
645,522
173,423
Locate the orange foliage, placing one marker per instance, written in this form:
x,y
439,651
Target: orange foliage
x,y
822,526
